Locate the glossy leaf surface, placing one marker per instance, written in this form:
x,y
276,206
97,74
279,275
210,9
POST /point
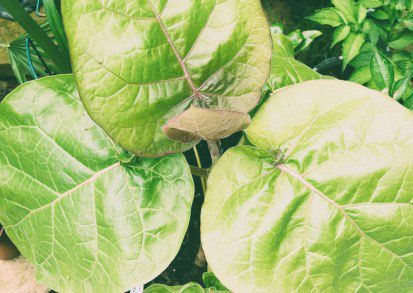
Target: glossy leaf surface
x,y
140,63
352,46
88,222
327,16
323,202
285,69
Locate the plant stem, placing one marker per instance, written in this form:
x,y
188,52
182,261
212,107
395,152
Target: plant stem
x,y
200,172
198,161
213,146
37,34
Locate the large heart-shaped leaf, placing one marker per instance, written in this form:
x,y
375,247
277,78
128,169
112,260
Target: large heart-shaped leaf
x,y
140,63
88,222
324,200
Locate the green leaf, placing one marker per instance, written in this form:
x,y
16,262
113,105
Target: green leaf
x,y
210,280
327,16
322,201
309,37
373,30
363,59
409,5
188,288
56,25
348,8
140,63
381,70
379,14
340,34
351,47
409,23
402,41
361,13
285,69
400,87
408,103
361,75
371,3
296,38
88,222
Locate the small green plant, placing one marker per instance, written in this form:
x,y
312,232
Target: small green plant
x,y
378,29
383,23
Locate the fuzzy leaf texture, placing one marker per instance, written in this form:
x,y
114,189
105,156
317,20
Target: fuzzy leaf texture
x,y
323,200
140,63
88,222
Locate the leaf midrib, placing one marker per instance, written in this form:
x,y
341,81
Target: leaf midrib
x,y
67,193
307,184
194,89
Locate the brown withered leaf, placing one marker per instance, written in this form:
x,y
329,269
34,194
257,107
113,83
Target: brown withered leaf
x,y
205,124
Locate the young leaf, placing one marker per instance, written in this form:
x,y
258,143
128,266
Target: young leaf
x,y
402,41
309,37
371,3
408,103
296,37
409,23
348,8
340,34
210,280
379,14
400,88
188,288
88,222
313,200
361,75
382,70
351,47
373,30
327,16
140,63
285,69
409,5
361,13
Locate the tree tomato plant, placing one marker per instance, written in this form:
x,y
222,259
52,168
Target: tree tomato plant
x,y
96,193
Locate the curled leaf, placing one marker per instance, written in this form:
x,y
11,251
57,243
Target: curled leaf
x,y
205,124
